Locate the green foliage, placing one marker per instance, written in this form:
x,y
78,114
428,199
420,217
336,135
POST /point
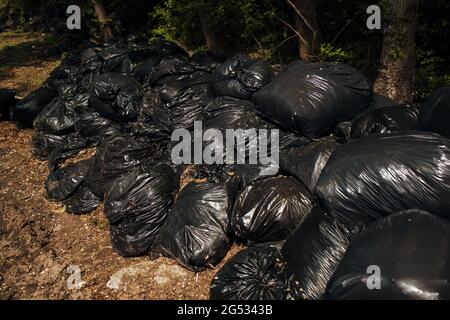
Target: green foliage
x,y
254,27
178,21
429,74
329,52
433,49
248,25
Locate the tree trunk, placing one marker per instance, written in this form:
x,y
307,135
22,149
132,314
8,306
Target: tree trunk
x,y
397,73
308,9
215,39
102,16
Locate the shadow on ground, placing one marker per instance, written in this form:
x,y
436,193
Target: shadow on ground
x,y
24,64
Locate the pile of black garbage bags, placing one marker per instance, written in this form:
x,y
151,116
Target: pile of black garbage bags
x,y
359,207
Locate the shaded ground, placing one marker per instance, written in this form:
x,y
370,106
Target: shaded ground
x,y
21,64
39,241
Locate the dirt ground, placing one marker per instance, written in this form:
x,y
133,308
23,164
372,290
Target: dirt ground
x,y
40,244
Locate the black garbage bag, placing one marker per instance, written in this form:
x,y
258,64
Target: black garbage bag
x,y
79,102
235,176
71,145
91,67
27,109
314,250
137,58
231,113
244,171
87,54
137,55
57,148
64,181
145,70
386,120
312,98
183,100
56,118
210,59
137,205
409,249
241,76
115,58
116,97
170,68
158,50
195,232
175,68
165,48
81,201
436,112
115,156
378,175
255,273
43,144
270,209
94,127
343,131
6,96
66,80
212,173
7,100
307,162
249,173
145,124
68,89
380,101
290,139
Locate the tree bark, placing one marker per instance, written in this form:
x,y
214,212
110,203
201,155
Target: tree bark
x,y
308,9
215,39
102,16
397,73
